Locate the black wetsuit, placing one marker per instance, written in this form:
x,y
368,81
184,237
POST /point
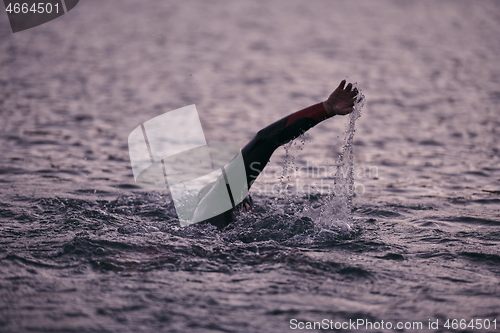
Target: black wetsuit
x,y
258,151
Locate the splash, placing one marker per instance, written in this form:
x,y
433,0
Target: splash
x,y
331,213
337,212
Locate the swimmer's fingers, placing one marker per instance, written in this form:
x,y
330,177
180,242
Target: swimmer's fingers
x,y
341,85
354,91
342,100
350,88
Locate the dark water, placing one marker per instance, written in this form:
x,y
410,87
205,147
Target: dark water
x,y
83,249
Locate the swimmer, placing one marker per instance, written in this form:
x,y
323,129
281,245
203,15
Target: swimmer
x,y
258,151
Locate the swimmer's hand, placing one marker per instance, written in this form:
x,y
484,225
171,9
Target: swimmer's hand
x,y
341,101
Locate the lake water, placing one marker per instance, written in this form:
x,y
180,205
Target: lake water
x,y
84,249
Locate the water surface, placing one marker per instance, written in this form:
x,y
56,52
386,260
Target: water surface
x,y
83,249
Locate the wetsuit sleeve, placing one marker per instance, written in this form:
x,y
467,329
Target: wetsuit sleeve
x,y
316,112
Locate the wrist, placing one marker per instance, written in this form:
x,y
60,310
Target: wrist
x,y
329,109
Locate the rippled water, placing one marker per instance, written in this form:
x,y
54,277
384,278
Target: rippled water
x,y
83,249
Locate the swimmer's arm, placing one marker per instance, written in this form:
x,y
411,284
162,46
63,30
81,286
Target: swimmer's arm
x,y
340,102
